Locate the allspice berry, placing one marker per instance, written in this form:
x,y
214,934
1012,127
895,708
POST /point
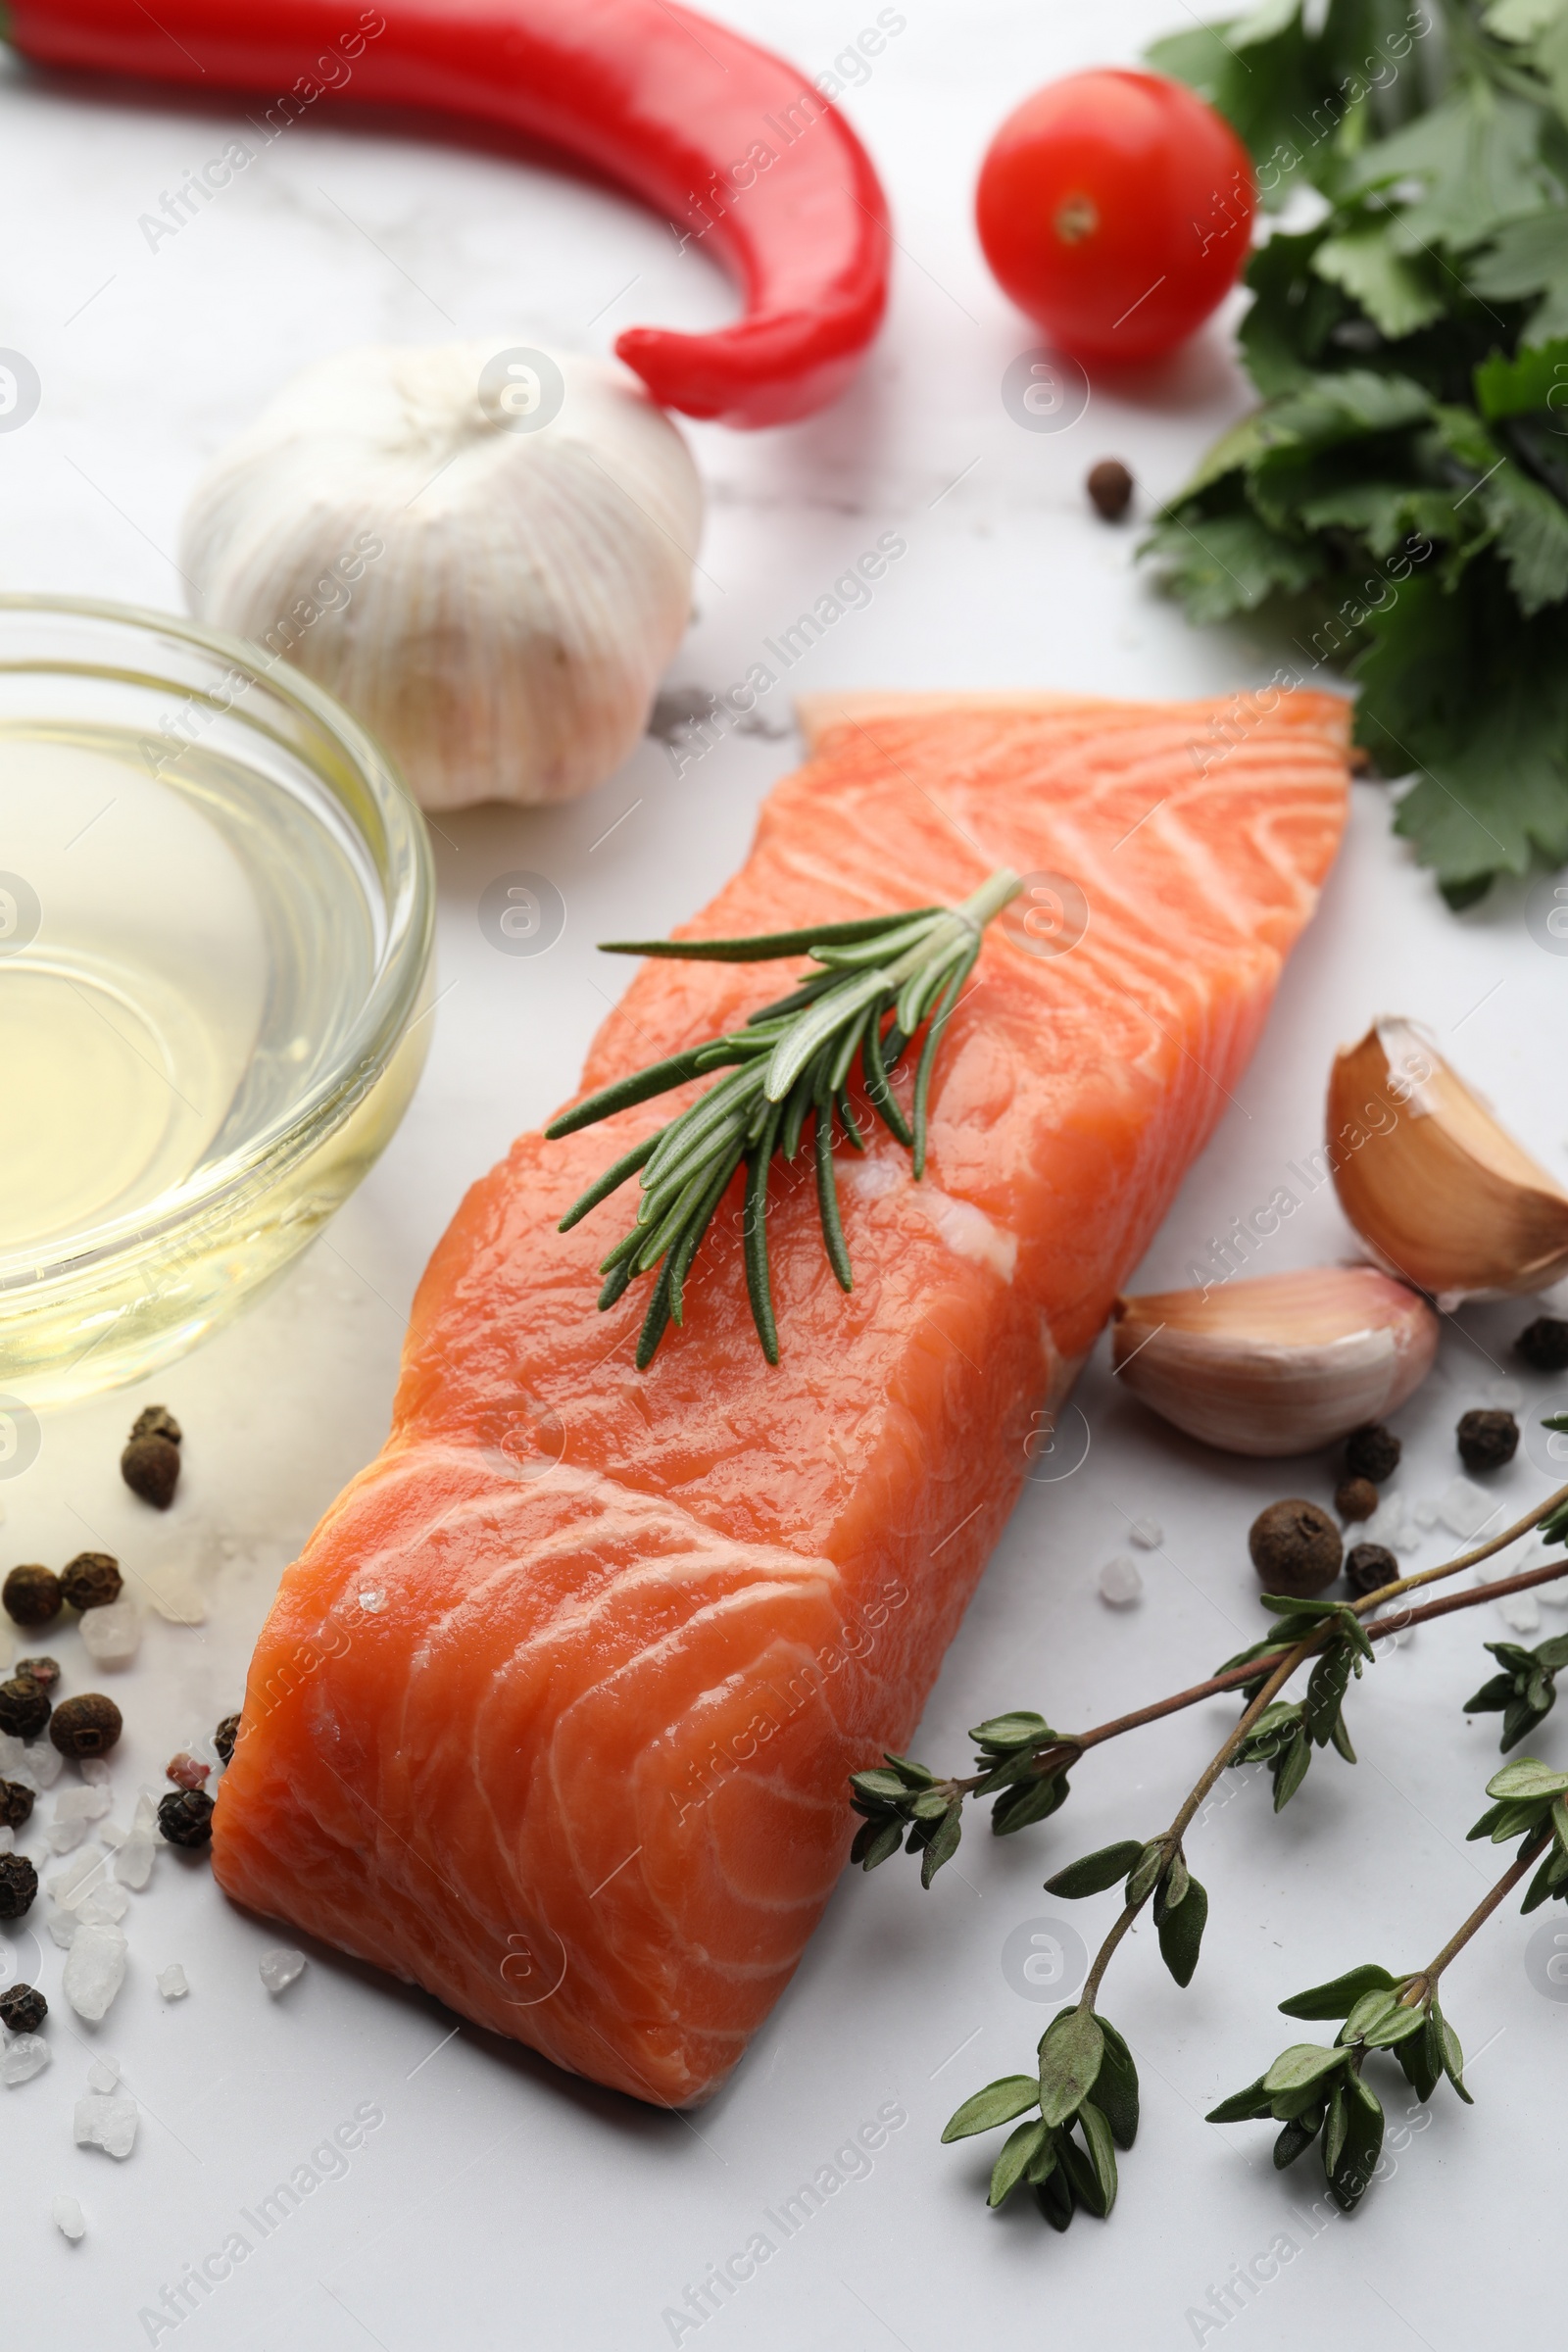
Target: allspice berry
x,y
31,1596
1543,1345
224,1736
1110,489
1368,1567
91,1580
1296,1548
24,1707
88,1725
19,1885
45,1672
1487,1440
185,1817
1356,1498
15,1804
150,1468
1372,1451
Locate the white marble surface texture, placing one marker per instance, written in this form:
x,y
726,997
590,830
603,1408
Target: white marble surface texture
x,y
495,2202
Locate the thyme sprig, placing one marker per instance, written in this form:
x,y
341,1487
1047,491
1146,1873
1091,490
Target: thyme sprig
x,y
879,981
1024,1764
1325,2091
1317,2092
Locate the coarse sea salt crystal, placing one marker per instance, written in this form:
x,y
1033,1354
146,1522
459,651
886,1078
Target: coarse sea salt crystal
x,y
95,1967
133,1864
112,1636
280,1968
1147,1534
45,1763
74,1809
70,1885
93,1769
63,1925
23,2056
1464,1509
106,2121
173,1981
1520,1612
104,2074
1121,1582
1391,1524
69,2218
1425,1512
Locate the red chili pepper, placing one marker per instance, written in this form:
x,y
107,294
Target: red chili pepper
x,y
726,139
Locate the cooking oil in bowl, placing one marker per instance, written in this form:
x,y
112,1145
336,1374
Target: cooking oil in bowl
x,y
208,965
142,1025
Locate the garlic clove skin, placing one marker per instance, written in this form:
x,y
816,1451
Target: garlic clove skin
x,y
1280,1365
1440,1193
497,604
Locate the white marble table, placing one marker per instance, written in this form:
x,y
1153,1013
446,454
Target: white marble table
x,y
497,2202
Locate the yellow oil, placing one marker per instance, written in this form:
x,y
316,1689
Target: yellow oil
x,y
127,1022
183,960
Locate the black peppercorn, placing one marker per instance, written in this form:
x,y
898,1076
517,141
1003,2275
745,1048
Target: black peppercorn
x,y
1543,1345
1356,1498
1372,1451
45,1672
24,1707
224,1736
91,1580
31,1595
15,1804
1487,1440
1110,489
23,2009
156,1421
1296,1548
1368,1567
87,1726
150,1468
185,1817
19,1885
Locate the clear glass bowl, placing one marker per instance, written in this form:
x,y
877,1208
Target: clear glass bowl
x,y
216,914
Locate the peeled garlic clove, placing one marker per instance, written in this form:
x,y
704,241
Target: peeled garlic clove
x,y
492,580
1280,1365
1438,1191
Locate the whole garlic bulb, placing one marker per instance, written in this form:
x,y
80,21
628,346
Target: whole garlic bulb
x,y
486,555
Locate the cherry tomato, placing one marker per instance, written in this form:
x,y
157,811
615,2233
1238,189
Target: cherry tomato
x,y
1116,209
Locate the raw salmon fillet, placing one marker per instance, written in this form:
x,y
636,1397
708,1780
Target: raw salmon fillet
x,y
553,1715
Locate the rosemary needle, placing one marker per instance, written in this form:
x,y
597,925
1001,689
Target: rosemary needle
x,y
878,981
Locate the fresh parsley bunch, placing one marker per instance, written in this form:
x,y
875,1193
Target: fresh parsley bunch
x,y
1401,495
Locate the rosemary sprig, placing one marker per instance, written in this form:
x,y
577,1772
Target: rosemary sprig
x,y
879,981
